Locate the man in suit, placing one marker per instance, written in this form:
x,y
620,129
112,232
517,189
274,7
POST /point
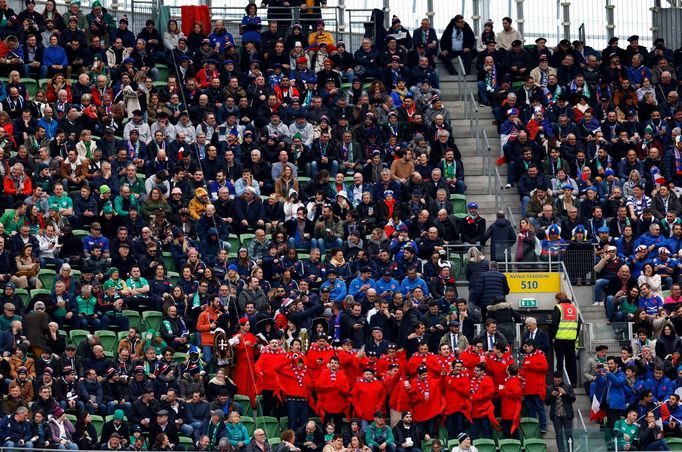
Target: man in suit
x,y
490,337
454,338
540,337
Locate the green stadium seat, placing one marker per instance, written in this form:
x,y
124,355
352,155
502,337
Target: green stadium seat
x,y
163,71
46,278
509,445
168,261
77,336
109,339
249,424
459,203
134,318
530,428
245,403
485,445
234,242
72,418
534,445
426,445
246,239
302,180
42,83
452,443
274,441
674,443
174,277
152,320
80,233
36,292
270,425
186,441
23,294
284,422
179,357
31,85
159,84
98,423
122,334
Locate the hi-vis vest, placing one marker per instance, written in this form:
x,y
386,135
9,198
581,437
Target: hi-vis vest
x,y
568,325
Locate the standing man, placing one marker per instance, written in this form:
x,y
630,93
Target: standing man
x,y
482,410
534,369
333,390
560,398
564,332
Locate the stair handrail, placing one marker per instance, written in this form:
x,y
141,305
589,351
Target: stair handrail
x,y
473,116
461,79
498,188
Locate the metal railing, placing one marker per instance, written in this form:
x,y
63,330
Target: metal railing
x,y
461,79
471,113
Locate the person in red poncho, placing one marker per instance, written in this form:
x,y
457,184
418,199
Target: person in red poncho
x,y
367,397
271,357
482,410
319,355
496,363
244,344
511,397
392,356
457,395
398,399
534,370
294,387
426,398
333,389
349,361
473,355
423,357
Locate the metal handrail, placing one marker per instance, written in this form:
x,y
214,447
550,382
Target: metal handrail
x,y
498,189
460,79
473,119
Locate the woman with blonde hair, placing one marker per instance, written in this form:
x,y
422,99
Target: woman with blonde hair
x,y
634,178
86,146
476,265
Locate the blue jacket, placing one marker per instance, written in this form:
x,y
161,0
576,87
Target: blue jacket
x,y
632,392
55,55
648,240
338,290
356,284
237,433
50,127
661,388
12,430
197,412
614,389
408,286
382,286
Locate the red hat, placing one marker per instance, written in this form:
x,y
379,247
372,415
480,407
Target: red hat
x,y
301,60
243,321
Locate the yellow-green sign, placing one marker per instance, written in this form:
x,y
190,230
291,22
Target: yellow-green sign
x,y
534,282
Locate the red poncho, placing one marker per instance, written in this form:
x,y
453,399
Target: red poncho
x,y
266,369
457,394
398,400
470,359
316,353
533,371
421,359
426,398
482,393
332,392
385,361
497,368
511,397
350,365
293,381
367,397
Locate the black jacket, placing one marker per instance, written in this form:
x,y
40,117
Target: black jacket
x,y
446,39
567,399
492,284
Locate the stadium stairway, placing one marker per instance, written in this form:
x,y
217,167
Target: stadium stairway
x,y
478,185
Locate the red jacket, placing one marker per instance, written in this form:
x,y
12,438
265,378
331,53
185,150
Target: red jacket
x,y
497,368
97,95
11,188
534,370
368,397
426,398
457,393
314,354
511,398
482,393
266,369
332,392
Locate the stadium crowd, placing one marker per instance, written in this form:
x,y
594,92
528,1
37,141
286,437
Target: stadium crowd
x,y
264,224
